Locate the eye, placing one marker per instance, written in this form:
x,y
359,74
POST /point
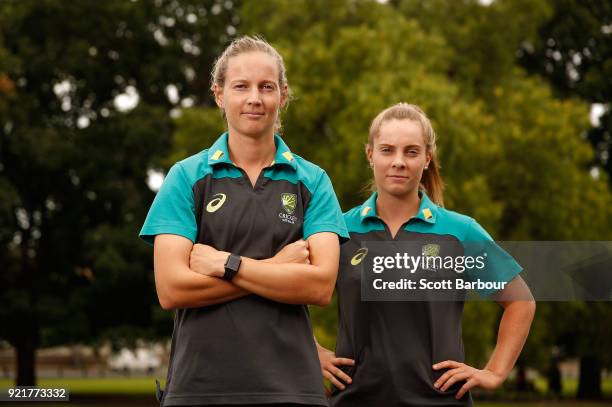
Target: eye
x,y
268,86
385,149
240,86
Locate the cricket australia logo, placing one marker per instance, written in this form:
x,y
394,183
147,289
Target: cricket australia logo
x,y
430,252
289,203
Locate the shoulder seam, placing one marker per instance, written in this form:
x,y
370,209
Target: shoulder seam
x,y
186,180
316,183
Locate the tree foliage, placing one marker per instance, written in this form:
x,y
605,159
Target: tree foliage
x,y
73,161
514,151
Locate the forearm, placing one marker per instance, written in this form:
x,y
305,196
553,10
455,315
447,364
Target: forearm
x,y
287,282
512,334
187,289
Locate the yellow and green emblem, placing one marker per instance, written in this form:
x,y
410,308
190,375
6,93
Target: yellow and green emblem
x,y
289,202
431,250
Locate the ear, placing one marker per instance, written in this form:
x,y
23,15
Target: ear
x,y
428,157
369,150
284,96
218,92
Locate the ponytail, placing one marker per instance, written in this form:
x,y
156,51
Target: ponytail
x,y
432,182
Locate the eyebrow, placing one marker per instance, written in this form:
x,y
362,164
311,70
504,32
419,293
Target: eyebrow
x,y
246,80
393,145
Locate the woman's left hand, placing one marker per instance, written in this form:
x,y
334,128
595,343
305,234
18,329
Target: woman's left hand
x,y
207,260
473,377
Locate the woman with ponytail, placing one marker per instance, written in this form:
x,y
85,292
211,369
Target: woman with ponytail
x,y
410,353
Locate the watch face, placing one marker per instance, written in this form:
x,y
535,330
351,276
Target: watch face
x,y
231,266
233,262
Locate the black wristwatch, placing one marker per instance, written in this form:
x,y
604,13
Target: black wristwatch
x,y
231,266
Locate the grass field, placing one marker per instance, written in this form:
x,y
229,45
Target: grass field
x,y
139,392
140,402
146,385
570,387
84,386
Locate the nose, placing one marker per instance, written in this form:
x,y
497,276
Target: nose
x,y
254,97
398,161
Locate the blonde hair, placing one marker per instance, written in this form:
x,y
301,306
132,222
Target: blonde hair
x,y
431,181
243,45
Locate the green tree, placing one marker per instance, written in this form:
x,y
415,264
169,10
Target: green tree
x,y
512,154
541,175
73,162
574,52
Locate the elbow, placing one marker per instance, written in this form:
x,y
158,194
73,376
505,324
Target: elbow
x,y
323,296
325,290
322,301
166,300
166,303
166,293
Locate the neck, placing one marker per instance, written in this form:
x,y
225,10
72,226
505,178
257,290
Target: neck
x,y
248,152
393,208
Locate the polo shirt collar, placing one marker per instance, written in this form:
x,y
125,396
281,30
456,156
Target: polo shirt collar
x,y
218,153
428,211
283,154
368,208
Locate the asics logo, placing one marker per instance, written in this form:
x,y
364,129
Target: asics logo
x,y
217,202
359,256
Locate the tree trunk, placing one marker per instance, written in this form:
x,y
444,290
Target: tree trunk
x,y
553,375
589,382
521,378
26,361
27,331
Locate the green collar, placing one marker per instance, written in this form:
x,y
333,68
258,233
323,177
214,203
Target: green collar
x,y
219,153
428,211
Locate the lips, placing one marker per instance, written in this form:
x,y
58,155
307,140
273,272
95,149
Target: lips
x,y
253,114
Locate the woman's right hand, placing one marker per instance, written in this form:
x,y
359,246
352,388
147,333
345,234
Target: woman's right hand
x,y
296,252
329,367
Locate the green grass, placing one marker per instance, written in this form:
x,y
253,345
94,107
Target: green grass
x,y
152,403
570,386
139,392
86,386
146,385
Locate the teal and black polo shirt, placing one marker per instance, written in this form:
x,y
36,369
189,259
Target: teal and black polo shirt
x,y
395,344
251,350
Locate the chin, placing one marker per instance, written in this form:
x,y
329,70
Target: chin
x,y
255,131
398,191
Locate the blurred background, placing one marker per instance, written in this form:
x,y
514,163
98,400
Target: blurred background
x,y
99,98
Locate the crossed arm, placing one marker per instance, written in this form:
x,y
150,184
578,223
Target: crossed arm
x,y
187,275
